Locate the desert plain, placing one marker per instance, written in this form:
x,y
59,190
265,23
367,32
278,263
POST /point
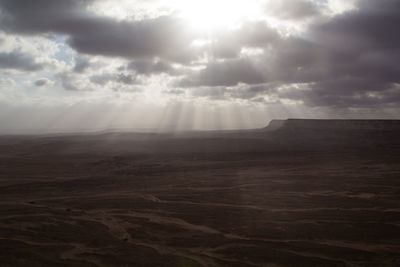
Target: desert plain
x,y
297,193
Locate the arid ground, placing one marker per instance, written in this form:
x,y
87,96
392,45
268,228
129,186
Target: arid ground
x,y
246,198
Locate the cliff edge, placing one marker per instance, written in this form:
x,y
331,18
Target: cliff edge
x,y
332,125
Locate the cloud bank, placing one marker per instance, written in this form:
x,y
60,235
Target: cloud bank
x,y
333,55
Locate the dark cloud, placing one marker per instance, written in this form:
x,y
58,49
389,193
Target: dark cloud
x,y
373,25
349,60
251,34
97,35
159,37
288,60
353,92
251,92
362,48
81,64
214,93
17,60
174,92
67,81
31,17
103,79
42,82
126,79
149,67
257,34
226,73
255,93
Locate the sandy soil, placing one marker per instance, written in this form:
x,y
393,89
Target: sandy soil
x,y
189,201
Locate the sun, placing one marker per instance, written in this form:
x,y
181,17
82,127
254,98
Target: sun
x,y
212,15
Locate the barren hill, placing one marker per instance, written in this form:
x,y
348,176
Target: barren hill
x,y
337,125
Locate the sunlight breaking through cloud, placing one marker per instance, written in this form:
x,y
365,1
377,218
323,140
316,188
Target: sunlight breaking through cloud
x,y
327,58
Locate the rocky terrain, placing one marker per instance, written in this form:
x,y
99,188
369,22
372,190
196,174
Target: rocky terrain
x,y
297,193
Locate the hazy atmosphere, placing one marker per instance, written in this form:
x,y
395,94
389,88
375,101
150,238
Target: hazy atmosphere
x,y
84,65
207,133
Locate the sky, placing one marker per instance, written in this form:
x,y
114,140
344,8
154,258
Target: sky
x,y
89,65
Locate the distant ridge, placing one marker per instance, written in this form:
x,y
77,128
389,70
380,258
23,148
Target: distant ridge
x,y
328,124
